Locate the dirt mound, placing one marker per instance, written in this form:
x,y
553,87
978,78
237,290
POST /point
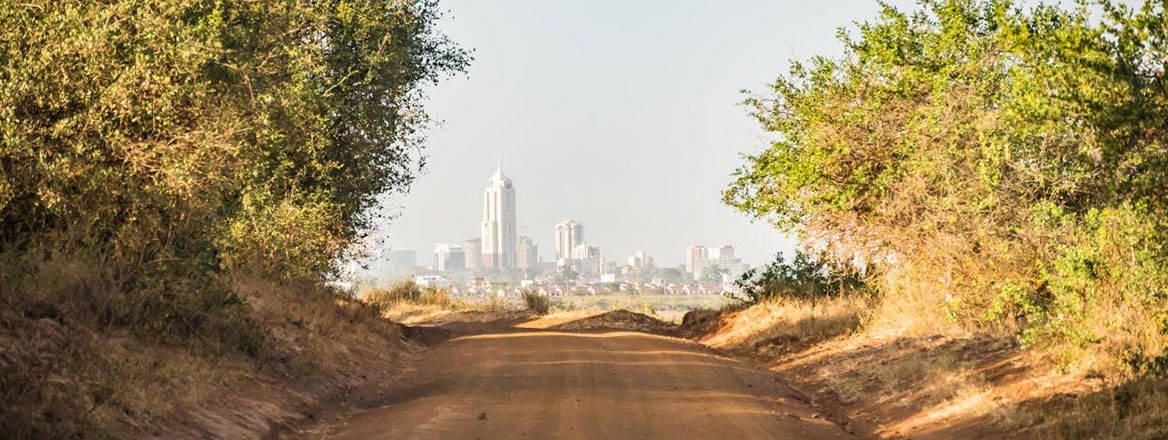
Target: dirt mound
x,y
700,322
619,320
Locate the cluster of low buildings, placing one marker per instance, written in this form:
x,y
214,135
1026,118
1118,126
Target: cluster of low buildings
x,y
482,289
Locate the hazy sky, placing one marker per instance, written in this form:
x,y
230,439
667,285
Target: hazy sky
x,y
620,114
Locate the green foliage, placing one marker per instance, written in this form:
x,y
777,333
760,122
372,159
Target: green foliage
x,y
566,274
151,149
210,135
178,141
711,275
536,302
1012,162
670,275
803,278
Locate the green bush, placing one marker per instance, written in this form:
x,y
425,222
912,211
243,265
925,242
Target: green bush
x,y
1005,164
151,150
802,278
176,142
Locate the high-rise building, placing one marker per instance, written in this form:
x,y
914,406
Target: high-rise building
x,y
498,239
640,260
401,262
695,258
449,258
569,234
723,252
526,253
587,259
698,258
474,253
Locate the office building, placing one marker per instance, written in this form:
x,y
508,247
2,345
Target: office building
x,y
569,234
449,258
498,227
401,262
472,247
527,253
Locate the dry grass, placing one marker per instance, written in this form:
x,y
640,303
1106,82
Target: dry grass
x,y
802,320
892,367
1134,410
75,362
407,291
536,303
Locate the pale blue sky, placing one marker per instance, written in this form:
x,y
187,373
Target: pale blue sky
x,y
620,114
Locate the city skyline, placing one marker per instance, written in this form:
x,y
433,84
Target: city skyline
x,y
640,154
503,245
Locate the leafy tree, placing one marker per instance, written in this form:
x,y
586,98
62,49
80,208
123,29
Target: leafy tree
x,y
532,272
566,274
167,143
802,278
999,163
151,150
712,275
670,275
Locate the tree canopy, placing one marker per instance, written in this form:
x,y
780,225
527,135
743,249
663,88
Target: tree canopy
x,y
149,149
1013,163
216,133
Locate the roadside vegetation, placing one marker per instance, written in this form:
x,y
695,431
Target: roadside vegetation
x,y
407,291
536,302
998,171
159,157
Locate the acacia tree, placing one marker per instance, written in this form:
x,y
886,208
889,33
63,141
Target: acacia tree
x,y
999,163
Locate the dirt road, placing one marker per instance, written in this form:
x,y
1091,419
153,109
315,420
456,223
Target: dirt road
x,y
513,384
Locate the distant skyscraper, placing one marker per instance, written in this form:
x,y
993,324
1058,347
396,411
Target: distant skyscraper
x,y
527,253
696,258
401,262
723,252
449,258
640,260
588,259
498,242
474,252
569,234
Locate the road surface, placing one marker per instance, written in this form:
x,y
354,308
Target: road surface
x,y
534,384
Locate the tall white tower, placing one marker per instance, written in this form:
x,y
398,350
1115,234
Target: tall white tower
x,y
498,245
569,234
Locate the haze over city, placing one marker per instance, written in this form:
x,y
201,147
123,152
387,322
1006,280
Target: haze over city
x,y
622,115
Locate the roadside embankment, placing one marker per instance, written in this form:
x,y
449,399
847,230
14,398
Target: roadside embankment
x,y
65,377
891,383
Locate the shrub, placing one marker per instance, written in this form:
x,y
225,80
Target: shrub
x,y
1001,165
802,278
536,302
178,142
153,151
407,291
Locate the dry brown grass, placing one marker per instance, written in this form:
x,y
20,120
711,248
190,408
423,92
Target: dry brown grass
x,y
407,291
536,303
892,367
803,320
68,370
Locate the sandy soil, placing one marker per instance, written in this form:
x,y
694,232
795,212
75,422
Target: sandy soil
x,y
508,382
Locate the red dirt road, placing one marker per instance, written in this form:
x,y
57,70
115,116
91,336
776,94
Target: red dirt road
x,y
515,384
